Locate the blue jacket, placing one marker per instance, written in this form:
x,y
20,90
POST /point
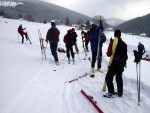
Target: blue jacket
x,y
94,34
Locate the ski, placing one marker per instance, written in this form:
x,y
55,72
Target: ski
x,y
84,75
99,50
91,101
43,48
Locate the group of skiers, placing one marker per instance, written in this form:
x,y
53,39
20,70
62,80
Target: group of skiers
x,y
117,51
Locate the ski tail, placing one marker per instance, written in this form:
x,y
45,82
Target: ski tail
x,y
92,102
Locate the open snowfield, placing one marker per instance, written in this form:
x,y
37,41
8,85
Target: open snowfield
x,y
29,84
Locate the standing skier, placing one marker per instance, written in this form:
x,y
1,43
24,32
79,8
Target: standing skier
x,y
53,38
22,33
141,50
86,39
117,51
68,40
94,41
74,34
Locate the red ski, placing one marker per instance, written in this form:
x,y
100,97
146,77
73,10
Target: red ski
x,y
92,102
78,77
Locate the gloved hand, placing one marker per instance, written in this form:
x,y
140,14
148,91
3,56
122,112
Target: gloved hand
x,y
136,55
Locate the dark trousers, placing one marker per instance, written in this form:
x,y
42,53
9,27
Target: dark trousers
x,y
26,35
94,56
117,69
69,49
53,47
86,45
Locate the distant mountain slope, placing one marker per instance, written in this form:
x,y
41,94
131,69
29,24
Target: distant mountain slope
x,y
138,25
40,11
114,21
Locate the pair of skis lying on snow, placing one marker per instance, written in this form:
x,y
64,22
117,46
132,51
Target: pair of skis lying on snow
x,y
88,97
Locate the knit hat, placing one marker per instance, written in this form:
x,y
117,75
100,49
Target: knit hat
x,y
94,25
53,24
117,33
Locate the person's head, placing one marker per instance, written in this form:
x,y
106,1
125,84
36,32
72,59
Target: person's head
x,y
69,31
73,29
139,43
94,26
117,33
20,25
53,24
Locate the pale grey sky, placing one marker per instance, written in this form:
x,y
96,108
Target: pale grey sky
x,y
122,9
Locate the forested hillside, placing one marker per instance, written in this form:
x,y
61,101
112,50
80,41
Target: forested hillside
x,y
36,10
138,25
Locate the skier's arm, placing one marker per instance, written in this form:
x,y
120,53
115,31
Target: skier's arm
x,y
100,27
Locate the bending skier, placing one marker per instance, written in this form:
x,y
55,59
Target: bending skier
x,y
68,40
22,33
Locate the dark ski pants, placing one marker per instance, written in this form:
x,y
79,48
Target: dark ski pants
x,y
53,47
117,69
86,45
26,35
69,49
94,56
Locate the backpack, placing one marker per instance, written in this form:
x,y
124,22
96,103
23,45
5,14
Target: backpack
x,y
69,40
61,50
103,38
121,51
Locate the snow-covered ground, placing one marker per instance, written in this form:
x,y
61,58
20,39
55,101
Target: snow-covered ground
x,y
29,84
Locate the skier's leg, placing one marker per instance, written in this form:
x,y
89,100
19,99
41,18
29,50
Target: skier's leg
x,y
26,36
119,80
53,47
86,45
22,39
94,53
72,53
109,78
67,52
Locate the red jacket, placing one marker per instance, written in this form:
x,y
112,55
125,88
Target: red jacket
x,y
53,35
20,30
86,37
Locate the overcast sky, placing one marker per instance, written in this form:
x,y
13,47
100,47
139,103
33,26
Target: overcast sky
x,y
122,9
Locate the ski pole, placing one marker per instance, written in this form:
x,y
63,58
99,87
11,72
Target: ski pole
x,y
139,79
137,70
